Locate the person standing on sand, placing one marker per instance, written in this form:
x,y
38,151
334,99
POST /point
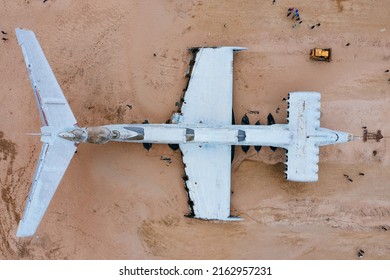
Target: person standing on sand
x,y
296,14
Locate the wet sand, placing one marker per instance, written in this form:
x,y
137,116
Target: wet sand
x,y
119,201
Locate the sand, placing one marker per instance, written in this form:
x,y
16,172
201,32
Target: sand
x,y
119,201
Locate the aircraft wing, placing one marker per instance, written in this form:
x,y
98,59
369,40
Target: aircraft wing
x,y
53,107
208,98
208,170
52,164
302,162
208,101
304,120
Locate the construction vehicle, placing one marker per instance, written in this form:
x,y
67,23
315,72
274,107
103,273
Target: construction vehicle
x,y
321,54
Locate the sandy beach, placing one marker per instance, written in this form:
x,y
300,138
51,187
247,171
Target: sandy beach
x,y
120,201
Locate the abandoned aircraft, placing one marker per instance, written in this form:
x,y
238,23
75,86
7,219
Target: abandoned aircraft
x,y
203,130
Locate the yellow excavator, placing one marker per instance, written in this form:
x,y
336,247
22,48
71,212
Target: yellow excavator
x,y
321,54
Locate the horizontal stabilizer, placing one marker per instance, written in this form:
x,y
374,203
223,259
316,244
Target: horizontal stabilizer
x,y
53,162
53,107
56,115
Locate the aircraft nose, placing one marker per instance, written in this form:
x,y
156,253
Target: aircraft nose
x,y
344,137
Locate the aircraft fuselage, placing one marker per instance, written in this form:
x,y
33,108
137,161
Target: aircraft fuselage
x,y
277,135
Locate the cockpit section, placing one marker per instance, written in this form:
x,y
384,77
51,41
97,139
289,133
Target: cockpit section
x,y
99,135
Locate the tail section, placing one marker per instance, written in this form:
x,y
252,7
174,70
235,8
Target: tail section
x,y
56,116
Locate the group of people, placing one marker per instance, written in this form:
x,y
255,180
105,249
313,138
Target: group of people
x,y
350,179
4,37
318,24
295,15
